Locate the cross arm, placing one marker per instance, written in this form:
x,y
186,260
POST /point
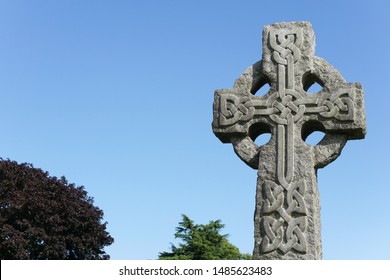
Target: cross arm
x,y
341,112
234,114
344,119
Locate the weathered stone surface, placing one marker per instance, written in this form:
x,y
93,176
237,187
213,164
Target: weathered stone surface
x,y
287,214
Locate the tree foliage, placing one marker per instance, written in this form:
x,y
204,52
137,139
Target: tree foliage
x,y
202,242
42,217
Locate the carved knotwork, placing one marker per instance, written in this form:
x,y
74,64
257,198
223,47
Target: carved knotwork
x,y
288,204
233,109
285,44
284,217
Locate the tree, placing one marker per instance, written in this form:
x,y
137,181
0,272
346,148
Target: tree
x,y
202,242
42,217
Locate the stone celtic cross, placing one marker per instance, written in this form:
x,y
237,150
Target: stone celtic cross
x,y
287,215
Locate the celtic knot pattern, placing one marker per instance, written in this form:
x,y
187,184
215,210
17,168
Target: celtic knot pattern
x,y
243,109
339,105
285,44
235,109
287,213
284,221
287,103
286,106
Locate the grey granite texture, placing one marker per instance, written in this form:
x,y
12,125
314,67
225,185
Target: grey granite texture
x,y
287,213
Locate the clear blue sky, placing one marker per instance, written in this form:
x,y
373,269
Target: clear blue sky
x,y
117,96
